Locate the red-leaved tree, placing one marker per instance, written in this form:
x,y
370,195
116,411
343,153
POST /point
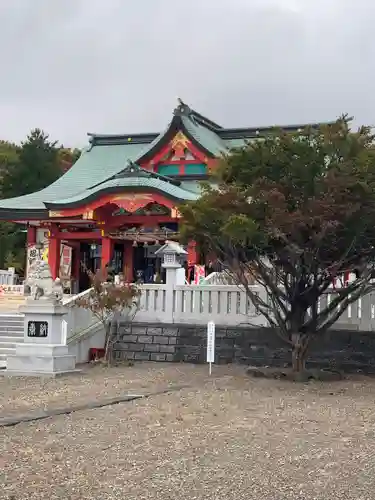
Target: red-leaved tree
x,y
106,301
294,211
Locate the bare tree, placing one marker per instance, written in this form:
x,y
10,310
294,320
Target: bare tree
x,y
107,302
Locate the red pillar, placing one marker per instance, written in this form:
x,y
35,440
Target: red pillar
x,y
107,250
192,256
128,262
31,236
54,256
192,259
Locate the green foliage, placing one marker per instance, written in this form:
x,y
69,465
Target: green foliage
x,y
37,166
12,246
16,260
294,211
9,155
24,169
67,157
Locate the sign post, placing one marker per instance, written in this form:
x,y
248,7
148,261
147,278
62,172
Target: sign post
x,y
210,345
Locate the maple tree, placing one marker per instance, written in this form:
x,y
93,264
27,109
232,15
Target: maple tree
x,y
294,211
106,301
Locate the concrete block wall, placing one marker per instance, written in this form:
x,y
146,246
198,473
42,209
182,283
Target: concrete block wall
x,y
343,349
146,342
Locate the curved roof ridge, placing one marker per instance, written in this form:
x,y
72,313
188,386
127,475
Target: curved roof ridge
x,y
176,192
132,169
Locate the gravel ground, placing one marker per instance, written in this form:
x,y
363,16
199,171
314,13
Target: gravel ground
x,y
228,437
21,394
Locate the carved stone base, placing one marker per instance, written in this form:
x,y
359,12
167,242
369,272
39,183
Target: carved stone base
x,y
40,360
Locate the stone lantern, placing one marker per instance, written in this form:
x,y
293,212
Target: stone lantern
x,y
172,253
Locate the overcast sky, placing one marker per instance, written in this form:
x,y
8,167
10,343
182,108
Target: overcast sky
x,y
112,66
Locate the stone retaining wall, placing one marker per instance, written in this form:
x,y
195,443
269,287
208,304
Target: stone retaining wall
x,y
349,350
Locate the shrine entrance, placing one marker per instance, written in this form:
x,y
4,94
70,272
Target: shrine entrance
x,y
135,260
120,235
138,246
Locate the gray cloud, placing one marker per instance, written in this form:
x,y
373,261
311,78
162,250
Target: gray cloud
x,y
72,66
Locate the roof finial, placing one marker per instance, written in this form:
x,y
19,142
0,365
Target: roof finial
x,y
182,108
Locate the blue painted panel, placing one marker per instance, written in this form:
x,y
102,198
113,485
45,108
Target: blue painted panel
x,y
199,169
196,169
168,170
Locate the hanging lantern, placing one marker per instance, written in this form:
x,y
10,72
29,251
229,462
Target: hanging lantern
x,y
135,244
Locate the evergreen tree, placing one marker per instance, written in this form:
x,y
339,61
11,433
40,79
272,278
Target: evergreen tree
x,y
37,166
24,169
9,155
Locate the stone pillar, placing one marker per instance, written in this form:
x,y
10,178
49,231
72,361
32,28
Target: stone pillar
x,y
54,256
128,262
171,281
44,350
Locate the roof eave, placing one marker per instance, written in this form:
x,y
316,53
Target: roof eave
x,y
253,132
108,190
14,214
206,122
120,139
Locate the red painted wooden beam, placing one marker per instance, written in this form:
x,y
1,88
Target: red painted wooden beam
x,y
158,156
178,162
131,202
90,235
151,220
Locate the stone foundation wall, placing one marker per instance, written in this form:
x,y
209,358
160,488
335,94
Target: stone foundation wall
x,y
343,349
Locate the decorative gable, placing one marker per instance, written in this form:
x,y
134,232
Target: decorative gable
x,y
179,157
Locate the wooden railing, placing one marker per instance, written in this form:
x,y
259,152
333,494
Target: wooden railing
x,y
226,305
8,277
229,305
77,319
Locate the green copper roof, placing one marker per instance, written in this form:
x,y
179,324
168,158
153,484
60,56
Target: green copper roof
x,y
135,183
108,156
204,136
235,143
94,165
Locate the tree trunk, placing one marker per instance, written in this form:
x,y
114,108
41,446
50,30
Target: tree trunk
x,y
299,350
111,332
107,342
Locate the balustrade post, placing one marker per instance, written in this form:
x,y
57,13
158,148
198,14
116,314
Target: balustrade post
x,y
175,275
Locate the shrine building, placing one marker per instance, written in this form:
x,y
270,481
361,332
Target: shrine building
x,y
119,202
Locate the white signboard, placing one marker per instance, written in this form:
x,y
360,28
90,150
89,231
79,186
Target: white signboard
x,y
210,343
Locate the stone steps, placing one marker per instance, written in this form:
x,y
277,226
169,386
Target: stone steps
x,y
11,303
11,333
